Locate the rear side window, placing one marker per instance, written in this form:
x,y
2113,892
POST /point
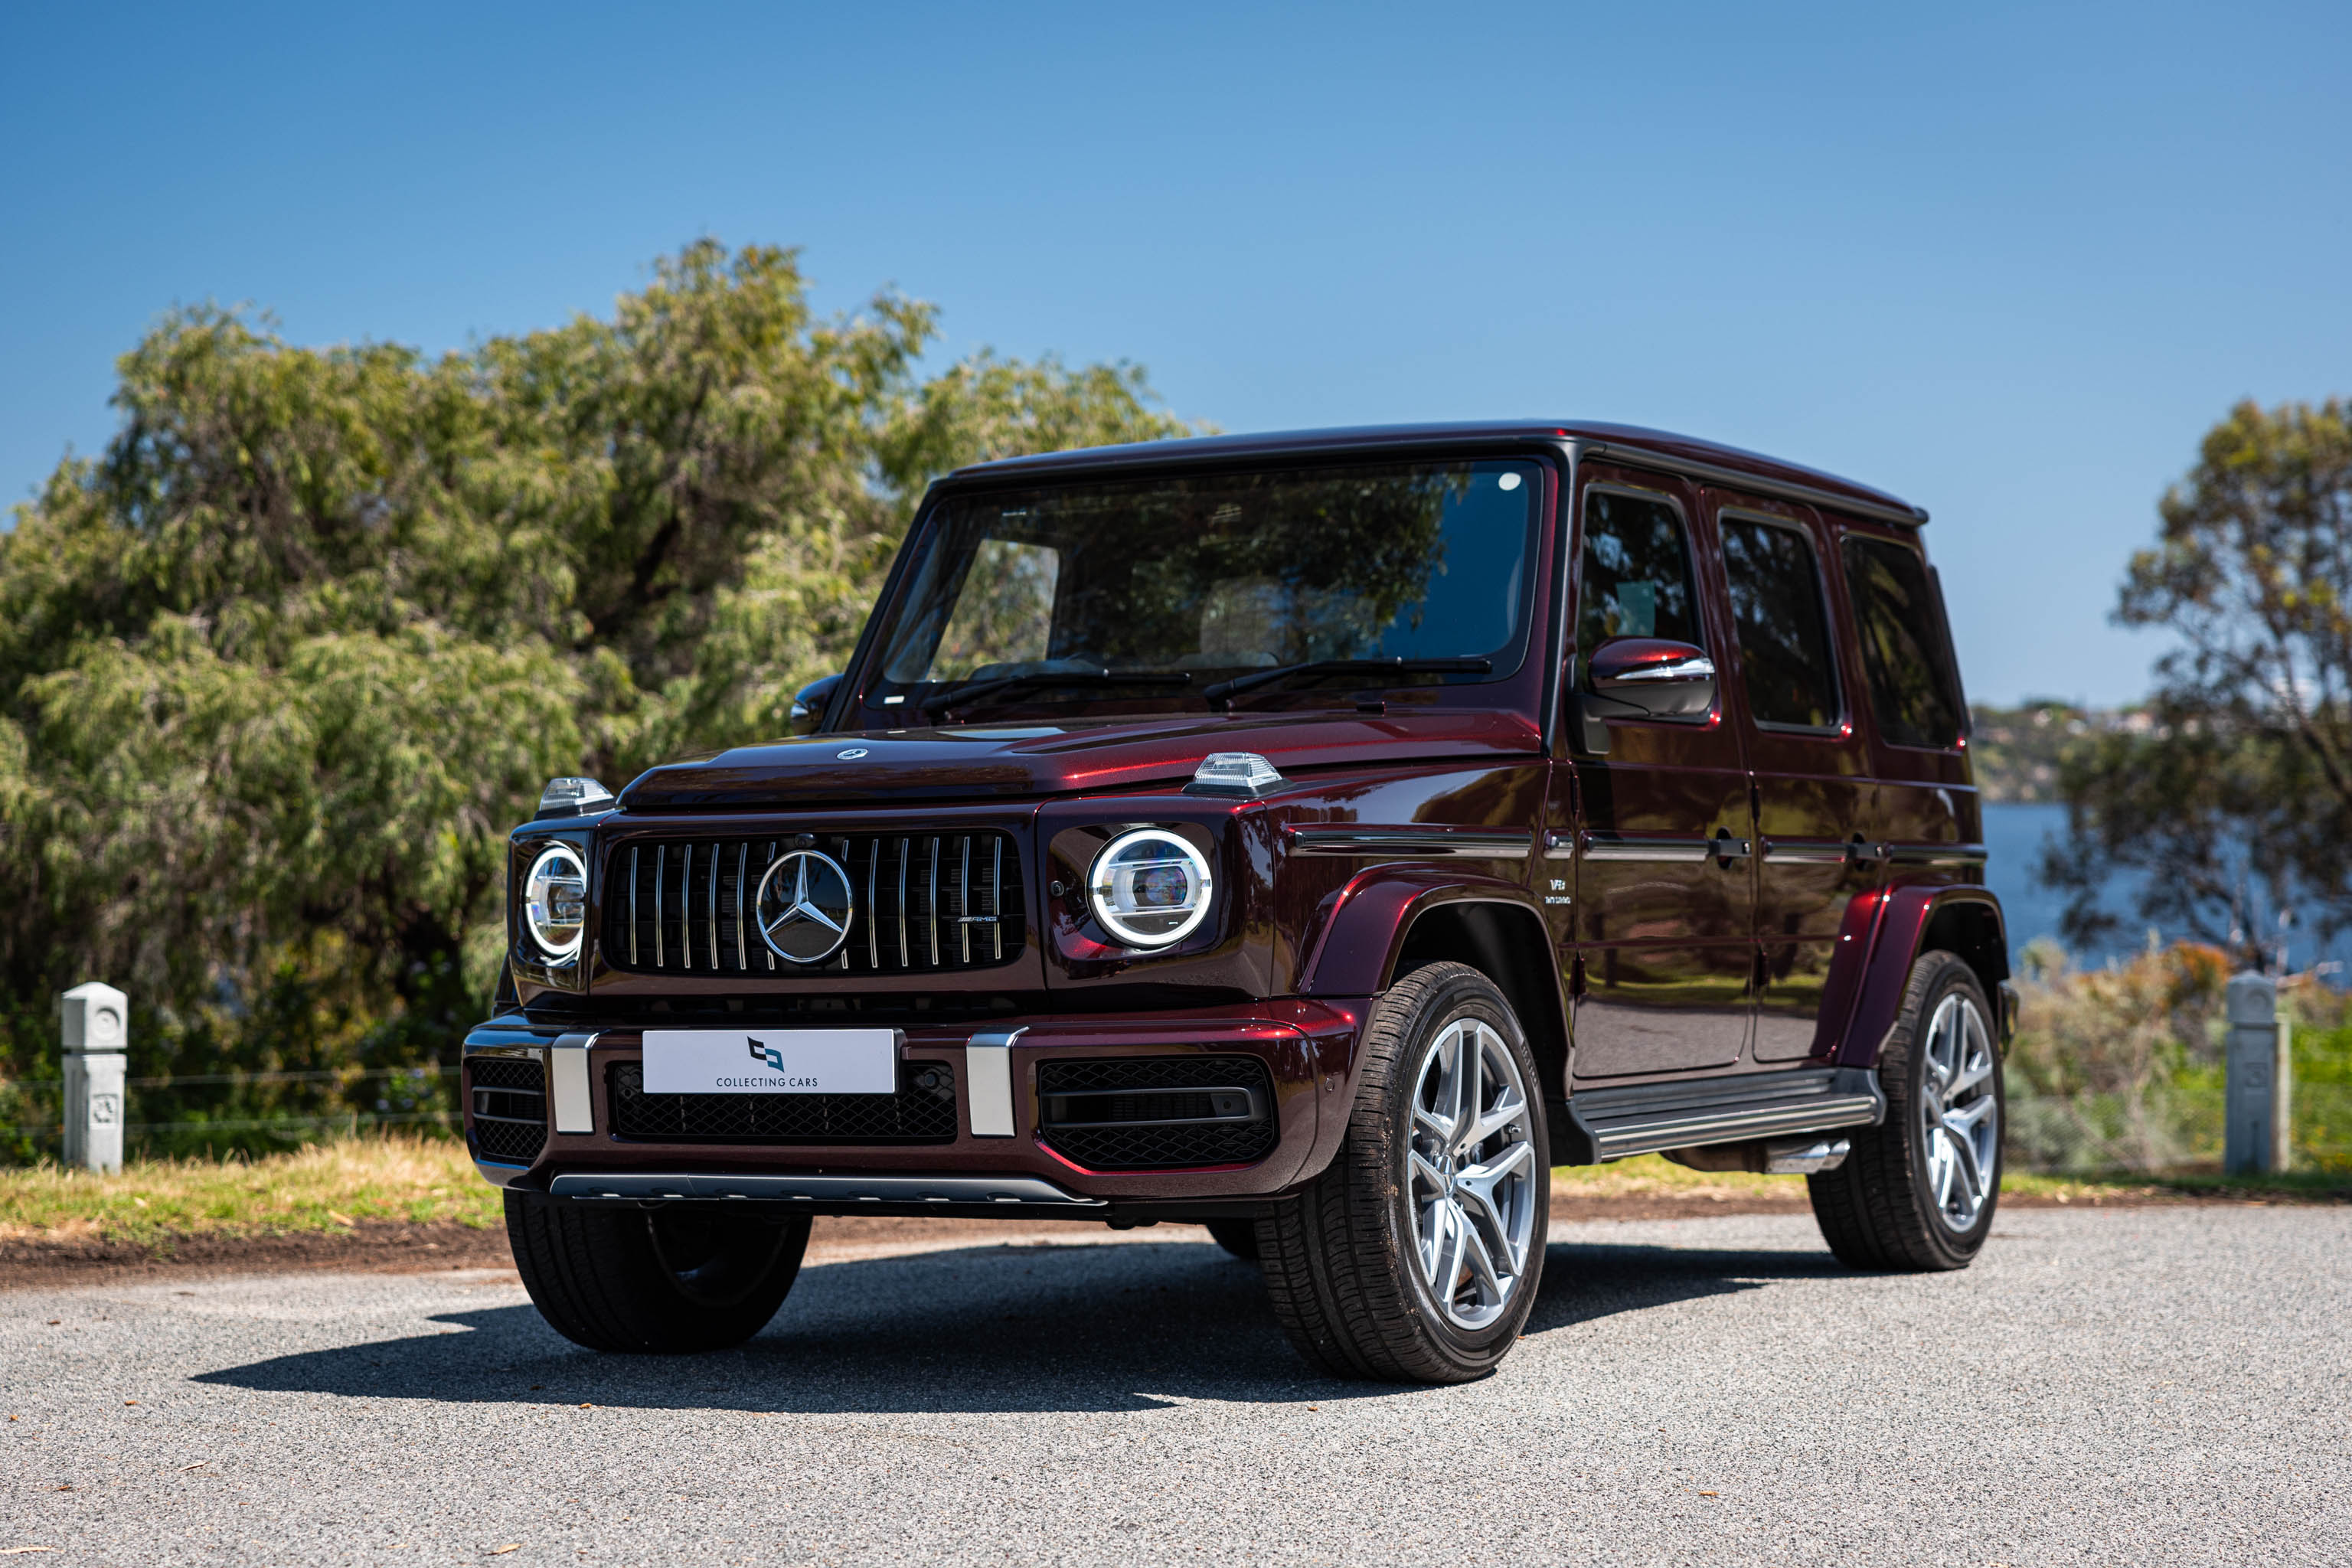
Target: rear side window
x,y
1784,633
1637,574
1914,690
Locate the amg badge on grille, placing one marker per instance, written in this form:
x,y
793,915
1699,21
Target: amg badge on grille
x,y
805,906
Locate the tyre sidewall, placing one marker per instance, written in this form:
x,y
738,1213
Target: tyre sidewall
x,y
1936,977
1458,993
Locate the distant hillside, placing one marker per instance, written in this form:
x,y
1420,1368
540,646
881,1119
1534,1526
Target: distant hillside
x,y
2018,749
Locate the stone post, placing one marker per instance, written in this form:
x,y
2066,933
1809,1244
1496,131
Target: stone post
x,y
2255,1134
95,1020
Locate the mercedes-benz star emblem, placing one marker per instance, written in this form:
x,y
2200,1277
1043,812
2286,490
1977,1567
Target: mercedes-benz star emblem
x,y
852,755
804,907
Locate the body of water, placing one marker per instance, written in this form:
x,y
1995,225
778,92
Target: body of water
x,y
2014,835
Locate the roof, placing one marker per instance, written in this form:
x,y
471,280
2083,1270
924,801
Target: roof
x,y
1625,443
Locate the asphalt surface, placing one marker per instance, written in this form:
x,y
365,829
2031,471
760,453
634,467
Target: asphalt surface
x,y
2139,1386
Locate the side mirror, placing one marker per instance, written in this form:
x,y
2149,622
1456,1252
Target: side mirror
x,y
1655,677
810,702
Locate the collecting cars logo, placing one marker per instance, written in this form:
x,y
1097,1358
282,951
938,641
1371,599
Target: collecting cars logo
x,y
773,1058
805,906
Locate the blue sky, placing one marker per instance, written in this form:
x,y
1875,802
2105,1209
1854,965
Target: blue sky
x,y
2009,262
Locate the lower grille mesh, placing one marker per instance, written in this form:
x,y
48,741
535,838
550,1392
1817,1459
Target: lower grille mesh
x,y
506,1099
922,1111
1161,1147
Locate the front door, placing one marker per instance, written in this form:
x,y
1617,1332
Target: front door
x,y
1663,954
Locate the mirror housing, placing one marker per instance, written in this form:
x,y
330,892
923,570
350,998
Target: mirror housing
x,y
1655,677
810,702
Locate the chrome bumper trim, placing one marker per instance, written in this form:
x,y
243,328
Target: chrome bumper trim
x,y
639,1187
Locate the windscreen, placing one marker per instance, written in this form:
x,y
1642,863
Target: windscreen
x,y
1195,579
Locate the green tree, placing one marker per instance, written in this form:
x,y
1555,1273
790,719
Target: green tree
x,y
2236,797
280,668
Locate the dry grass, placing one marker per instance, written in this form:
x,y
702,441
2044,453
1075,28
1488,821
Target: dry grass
x,y
1655,1176
323,1187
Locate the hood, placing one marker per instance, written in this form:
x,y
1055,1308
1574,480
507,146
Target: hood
x,y
1008,761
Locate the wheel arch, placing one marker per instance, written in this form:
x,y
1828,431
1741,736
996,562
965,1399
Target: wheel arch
x,y
1965,922
1391,918
1506,941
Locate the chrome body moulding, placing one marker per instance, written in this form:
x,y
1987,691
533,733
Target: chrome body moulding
x,y
1934,854
992,1191
1417,841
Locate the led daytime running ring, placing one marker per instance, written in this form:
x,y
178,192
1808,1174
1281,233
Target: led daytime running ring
x,y
1111,886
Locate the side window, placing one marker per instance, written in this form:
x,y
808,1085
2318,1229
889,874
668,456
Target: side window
x,y
1637,574
1914,690
1784,633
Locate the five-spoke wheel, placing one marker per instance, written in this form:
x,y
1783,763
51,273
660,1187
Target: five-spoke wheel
x,y
1471,1170
1415,1255
1918,1190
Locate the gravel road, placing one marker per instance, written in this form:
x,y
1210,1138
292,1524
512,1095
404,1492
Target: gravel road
x,y
2137,1386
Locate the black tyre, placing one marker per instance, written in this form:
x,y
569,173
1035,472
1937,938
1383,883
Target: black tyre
x,y
1415,1257
1238,1236
1917,1192
675,1280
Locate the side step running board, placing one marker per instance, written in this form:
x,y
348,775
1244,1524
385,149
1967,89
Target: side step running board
x,y
1008,1192
1602,1124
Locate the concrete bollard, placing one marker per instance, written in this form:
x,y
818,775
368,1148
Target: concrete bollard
x,y
95,1020
2261,1081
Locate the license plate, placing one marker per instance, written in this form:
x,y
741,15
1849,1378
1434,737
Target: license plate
x,y
771,1061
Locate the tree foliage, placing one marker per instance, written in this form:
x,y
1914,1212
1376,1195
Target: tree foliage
x,y
280,668
2236,800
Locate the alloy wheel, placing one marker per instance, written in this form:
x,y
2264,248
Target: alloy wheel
x,y
1959,1113
1470,1175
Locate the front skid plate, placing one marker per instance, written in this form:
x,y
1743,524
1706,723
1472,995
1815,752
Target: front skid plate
x,y
992,1191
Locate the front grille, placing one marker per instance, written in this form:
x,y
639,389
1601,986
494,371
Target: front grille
x,y
922,1111
507,1098
925,902
1129,1114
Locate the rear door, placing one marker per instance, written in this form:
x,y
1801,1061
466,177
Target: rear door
x,y
1663,903
1810,760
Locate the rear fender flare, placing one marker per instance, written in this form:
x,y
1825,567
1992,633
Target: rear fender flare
x,y
1883,935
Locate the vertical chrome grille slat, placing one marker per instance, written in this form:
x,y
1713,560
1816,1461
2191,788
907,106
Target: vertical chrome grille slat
x,y
903,961
931,903
632,903
963,896
755,909
714,908
996,899
742,864
873,922
661,870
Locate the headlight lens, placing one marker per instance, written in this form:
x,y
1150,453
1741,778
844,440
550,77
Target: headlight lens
x,y
1150,887
555,900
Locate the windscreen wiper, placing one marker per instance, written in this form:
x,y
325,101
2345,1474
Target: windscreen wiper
x,y
957,696
1222,690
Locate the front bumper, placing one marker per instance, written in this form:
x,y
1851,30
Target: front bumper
x,y
1307,1047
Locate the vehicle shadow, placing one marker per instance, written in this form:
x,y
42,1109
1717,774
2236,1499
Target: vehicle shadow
x,y
1136,1326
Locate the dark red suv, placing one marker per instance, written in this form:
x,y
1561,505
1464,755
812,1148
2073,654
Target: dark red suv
x,y
1319,837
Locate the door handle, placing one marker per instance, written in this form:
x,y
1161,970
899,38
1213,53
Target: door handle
x,y
1727,849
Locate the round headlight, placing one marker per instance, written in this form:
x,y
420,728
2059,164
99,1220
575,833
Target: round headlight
x,y
555,900
1150,887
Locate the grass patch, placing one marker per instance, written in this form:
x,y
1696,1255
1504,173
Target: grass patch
x,y
1656,1176
323,1187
